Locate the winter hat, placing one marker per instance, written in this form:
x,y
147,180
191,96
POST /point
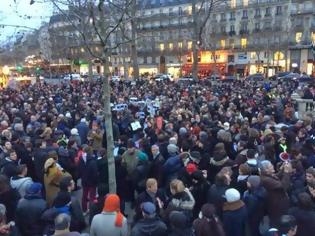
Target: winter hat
x,y
148,208
195,156
232,195
182,131
112,204
178,219
226,125
49,163
74,131
191,168
142,156
62,199
68,115
34,188
172,149
254,181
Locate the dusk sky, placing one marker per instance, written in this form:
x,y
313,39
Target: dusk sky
x,y
21,13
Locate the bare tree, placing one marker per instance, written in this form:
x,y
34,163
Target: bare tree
x,y
98,22
201,12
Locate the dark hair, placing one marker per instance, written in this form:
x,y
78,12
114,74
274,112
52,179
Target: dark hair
x,y
20,168
287,223
305,201
65,182
62,221
4,184
220,179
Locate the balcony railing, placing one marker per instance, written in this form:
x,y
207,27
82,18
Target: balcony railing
x,y
232,33
243,32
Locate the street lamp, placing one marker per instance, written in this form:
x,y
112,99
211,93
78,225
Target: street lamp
x,y
6,70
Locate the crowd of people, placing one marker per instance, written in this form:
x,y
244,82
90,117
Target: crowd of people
x,y
212,159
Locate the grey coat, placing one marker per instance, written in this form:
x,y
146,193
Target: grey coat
x,y
104,224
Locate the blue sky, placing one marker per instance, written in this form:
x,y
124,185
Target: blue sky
x,y
21,13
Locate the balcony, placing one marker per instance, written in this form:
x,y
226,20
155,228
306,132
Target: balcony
x,y
257,16
232,33
302,12
257,30
232,18
244,32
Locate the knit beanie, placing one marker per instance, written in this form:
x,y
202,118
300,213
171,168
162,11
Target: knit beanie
x,y
191,168
112,204
172,149
34,188
232,195
178,219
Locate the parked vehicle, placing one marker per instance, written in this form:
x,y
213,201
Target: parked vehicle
x,y
256,77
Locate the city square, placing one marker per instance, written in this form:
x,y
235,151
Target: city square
x,y
157,117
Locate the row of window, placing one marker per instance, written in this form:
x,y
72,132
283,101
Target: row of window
x,y
245,13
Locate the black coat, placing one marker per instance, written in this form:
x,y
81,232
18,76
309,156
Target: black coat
x,y
9,168
145,197
10,199
149,227
102,166
88,172
234,218
40,157
305,220
215,196
28,215
157,169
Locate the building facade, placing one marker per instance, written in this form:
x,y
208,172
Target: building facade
x,y
241,37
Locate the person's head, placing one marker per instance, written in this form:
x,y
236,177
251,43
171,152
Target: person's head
x,y
155,150
66,184
12,155
151,185
251,154
266,168
21,170
178,220
244,169
310,175
148,210
176,186
62,222
222,179
253,182
311,189
112,204
288,225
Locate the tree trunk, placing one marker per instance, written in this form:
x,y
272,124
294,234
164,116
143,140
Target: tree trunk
x,y
126,74
109,127
195,41
134,54
90,69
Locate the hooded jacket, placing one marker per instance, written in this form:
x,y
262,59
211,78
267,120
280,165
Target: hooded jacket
x,y
149,227
20,184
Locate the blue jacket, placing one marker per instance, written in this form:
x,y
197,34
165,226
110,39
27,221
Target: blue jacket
x,y
234,218
83,130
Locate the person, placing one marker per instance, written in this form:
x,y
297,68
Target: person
x,y
208,224
102,166
97,205
20,181
179,225
62,226
7,228
52,178
151,194
158,161
29,211
181,200
9,197
304,214
10,164
89,177
150,224
277,201
255,201
288,225
111,221
234,213
83,130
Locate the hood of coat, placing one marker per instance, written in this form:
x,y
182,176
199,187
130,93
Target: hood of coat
x,y
233,206
148,226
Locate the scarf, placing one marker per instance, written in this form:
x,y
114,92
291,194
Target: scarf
x,y
112,204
